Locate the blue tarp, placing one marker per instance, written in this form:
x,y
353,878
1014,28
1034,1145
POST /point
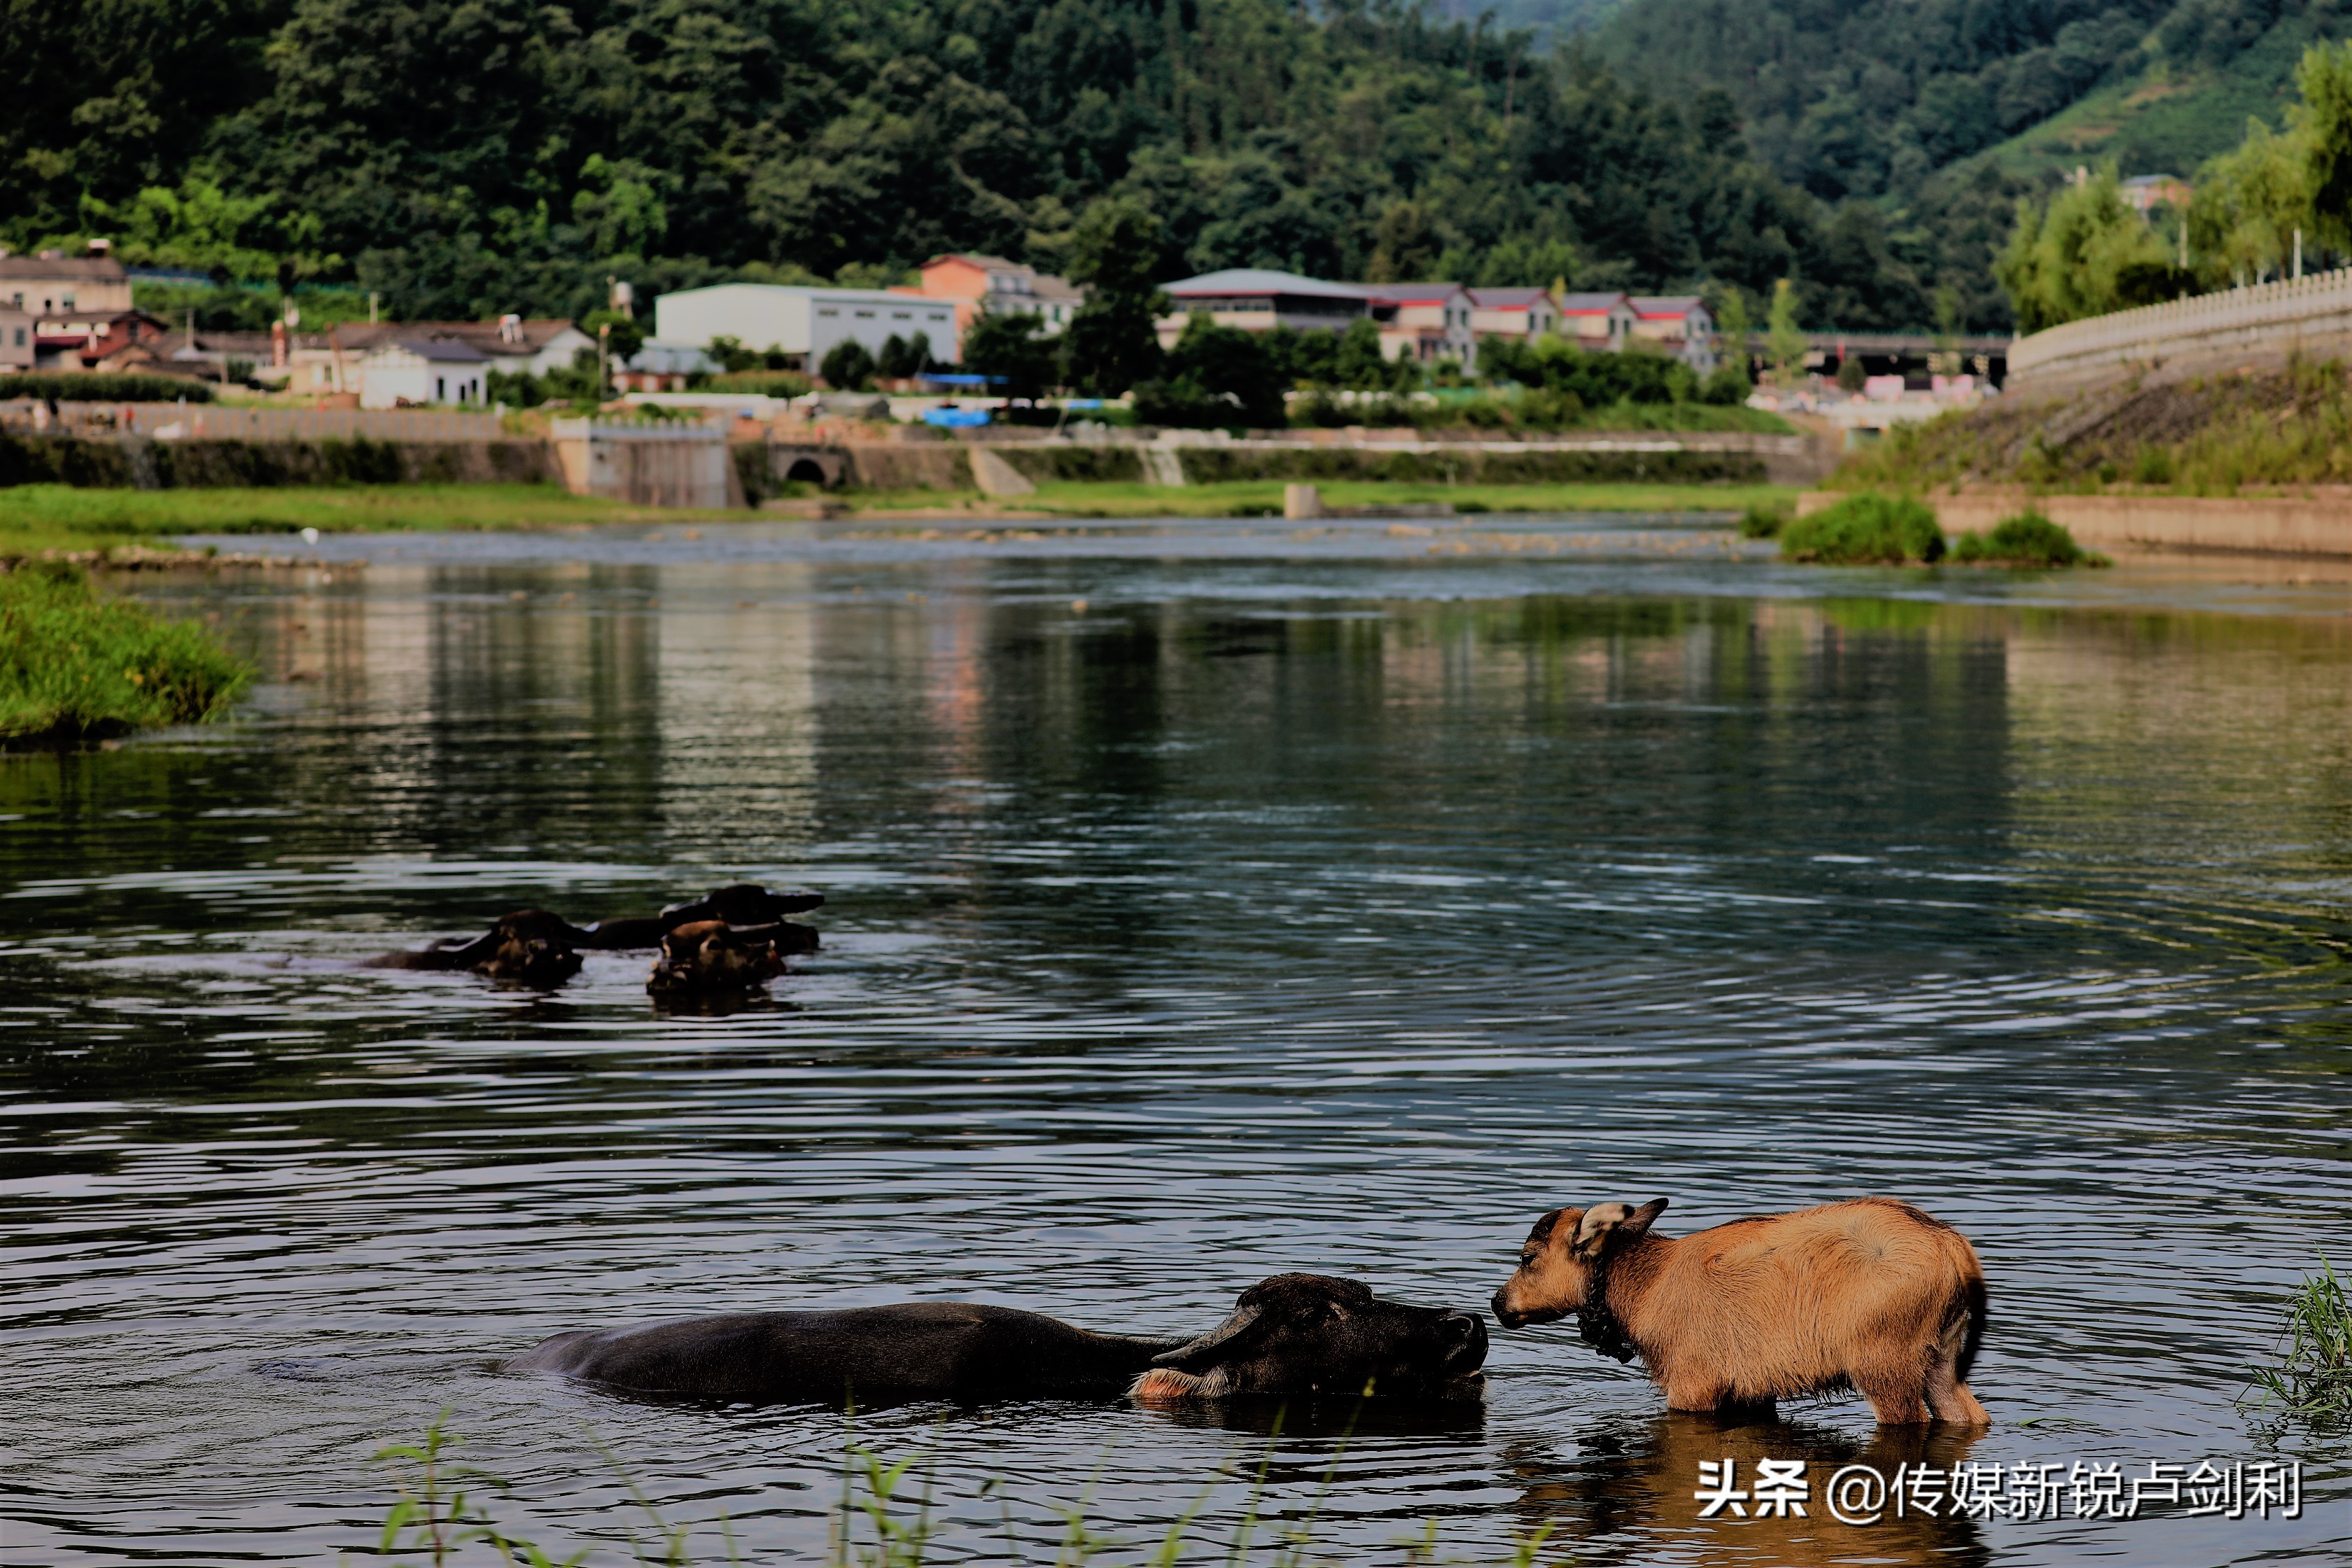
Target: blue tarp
x,y
955,417
959,379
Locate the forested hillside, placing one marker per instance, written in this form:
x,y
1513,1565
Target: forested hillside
x,y
1880,98
470,156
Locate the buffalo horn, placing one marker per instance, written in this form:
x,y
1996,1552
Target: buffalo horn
x,y
1183,1357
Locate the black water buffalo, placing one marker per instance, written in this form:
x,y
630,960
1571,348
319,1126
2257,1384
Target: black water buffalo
x,y
539,948
1292,1334
712,957
531,946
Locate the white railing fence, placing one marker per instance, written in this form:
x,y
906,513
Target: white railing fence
x,y
2263,323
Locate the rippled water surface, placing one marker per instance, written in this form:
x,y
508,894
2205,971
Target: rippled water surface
x,y
1204,901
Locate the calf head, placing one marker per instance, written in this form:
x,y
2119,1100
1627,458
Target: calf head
x,y
1309,1334
711,956
530,946
1563,1255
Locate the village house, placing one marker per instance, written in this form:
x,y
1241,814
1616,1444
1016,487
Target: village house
x,y
1679,324
802,324
1425,321
419,372
1258,300
1599,323
2148,192
52,283
94,341
1524,314
991,286
15,339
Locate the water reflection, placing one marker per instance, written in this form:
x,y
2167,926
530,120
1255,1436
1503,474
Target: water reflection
x,y
1630,1492
1265,912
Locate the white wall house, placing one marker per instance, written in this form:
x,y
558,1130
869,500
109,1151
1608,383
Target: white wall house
x,y
422,371
801,322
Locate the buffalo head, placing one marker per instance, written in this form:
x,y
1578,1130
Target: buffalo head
x,y
1309,1334
710,956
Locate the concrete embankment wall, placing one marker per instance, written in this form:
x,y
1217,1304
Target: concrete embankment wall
x,y
1467,464
2258,328
2284,525
135,463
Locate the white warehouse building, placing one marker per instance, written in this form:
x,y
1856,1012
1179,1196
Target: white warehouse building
x,y
804,323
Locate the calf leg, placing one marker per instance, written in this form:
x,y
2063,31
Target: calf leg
x,y
1947,1396
1897,1394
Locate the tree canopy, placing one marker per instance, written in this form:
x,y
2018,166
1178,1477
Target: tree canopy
x,y
465,159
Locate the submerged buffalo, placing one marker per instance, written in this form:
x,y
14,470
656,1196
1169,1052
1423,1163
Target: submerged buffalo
x,y
1292,1334
712,957
539,948
531,946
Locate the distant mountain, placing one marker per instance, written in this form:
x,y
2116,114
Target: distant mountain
x,y
1896,98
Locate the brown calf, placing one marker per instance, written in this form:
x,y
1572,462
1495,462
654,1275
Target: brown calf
x,y
1871,1295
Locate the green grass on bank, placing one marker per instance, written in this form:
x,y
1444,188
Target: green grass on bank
x,y
40,519
126,513
76,665
1263,498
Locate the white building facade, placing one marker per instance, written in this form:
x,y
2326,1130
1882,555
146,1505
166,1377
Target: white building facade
x,y
422,373
804,323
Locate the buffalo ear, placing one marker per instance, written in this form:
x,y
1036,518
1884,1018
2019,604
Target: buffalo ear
x,y
1641,1218
1226,1337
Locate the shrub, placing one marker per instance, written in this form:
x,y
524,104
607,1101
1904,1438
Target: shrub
x,y
1865,529
769,383
2152,465
2029,539
1763,522
126,386
847,366
76,666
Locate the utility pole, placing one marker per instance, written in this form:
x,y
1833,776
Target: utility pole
x,y
2298,253
603,352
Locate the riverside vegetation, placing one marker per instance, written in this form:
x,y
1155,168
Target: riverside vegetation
x,y
2312,1377
2214,436
879,1521
1869,529
78,666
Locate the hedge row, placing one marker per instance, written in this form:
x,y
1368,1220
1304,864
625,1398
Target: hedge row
x,y
125,387
191,465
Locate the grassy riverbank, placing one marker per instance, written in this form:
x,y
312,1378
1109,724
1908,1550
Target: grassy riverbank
x,y
41,519
2214,436
76,665
1263,498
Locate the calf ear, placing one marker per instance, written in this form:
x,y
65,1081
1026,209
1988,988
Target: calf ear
x,y
1641,1218
1225,1338
1592,1231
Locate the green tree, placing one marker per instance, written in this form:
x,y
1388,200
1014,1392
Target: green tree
x,y
2325,77
2069,259
1112,340
1215,375
1014,348
847,366
1784,339
622,336
903,357
2249,203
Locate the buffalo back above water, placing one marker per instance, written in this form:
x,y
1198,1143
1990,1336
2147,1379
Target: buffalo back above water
x,y
1292,1334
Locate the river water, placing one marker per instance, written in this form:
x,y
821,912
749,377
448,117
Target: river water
x,y
1205,900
